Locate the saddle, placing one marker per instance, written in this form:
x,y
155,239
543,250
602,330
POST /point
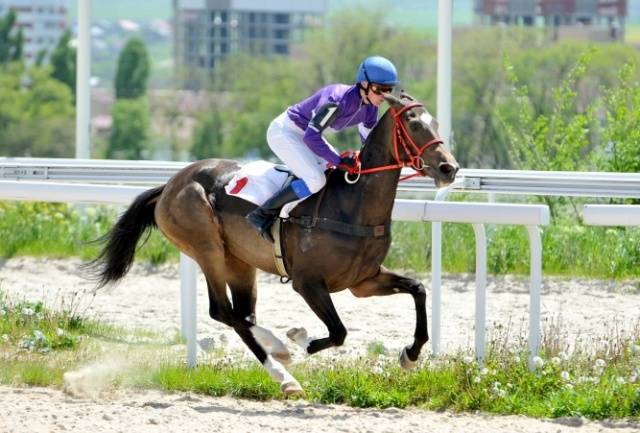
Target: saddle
x,y
257,181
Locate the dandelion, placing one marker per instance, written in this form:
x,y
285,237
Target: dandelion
x,y
600,363
501,392
537,362
58,215
5,338
496,385
467,359
556,360
565,376
39,336
59,332
563,356
620,380
27,311
633,378
2,312
568,386
376,369
484,371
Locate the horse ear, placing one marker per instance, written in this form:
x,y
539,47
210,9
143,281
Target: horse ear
x,y
391,99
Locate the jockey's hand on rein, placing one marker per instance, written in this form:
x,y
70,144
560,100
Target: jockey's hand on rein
x,y
348,161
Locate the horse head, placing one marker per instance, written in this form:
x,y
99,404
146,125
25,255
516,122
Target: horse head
x,y
416,142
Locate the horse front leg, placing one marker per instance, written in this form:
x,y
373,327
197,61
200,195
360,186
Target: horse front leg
x,y
319,299
387,283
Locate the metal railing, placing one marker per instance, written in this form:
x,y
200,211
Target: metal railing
x,y
554,183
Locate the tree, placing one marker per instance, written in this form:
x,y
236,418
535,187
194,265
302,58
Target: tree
x,y
621,136
208,139
63,60
10,45
130,133
35,119
133,70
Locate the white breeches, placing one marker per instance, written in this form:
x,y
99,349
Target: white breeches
x,y
285,139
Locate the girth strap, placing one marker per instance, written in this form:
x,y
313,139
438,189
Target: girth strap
x,y
309,222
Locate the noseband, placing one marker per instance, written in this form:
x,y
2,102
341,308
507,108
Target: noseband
x,y
402,142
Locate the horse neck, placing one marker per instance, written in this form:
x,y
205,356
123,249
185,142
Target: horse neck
x,y
378,190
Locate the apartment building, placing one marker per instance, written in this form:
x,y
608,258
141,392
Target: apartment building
x,y
42,23
588,19
206,31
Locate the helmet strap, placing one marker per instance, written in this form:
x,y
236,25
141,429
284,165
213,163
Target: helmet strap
x,y
366,92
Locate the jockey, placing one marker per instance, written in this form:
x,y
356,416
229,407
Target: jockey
x,y
295,136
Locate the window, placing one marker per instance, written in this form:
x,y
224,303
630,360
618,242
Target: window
x,y
224,48
281,18
281,34
281,49
223,32
223,16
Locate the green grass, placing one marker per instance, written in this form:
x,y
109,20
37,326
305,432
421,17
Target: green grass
x,y
58,230
569,248
597,385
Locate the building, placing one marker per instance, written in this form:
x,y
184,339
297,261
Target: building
x,y
42,23
208,30
587,19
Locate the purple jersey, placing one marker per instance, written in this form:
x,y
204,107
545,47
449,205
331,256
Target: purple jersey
x,y
350,111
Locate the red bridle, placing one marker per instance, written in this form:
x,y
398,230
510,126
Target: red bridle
x,y
401,140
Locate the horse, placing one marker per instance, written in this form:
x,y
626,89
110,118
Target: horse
x,y
334,240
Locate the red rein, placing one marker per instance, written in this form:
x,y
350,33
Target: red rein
x,y
400,137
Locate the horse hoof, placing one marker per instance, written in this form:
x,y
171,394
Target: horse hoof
x,y
296,334
291,387
405,362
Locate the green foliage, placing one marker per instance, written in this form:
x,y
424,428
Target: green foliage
x,y
63,61
208,138
32,327
559,141
130,133
133,70
10,41
35,120
57,230
621,138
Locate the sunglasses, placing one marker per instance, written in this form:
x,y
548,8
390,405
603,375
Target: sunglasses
x,y
379,89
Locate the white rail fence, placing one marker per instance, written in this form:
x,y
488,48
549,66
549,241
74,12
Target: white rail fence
x,y
406,210
108,172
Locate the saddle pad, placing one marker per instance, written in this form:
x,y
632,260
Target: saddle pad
x,y
256,182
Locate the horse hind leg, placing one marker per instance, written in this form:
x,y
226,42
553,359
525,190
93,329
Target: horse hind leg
x,y
242,285
241,317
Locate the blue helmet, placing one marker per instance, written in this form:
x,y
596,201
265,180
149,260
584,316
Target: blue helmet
x,y
377,69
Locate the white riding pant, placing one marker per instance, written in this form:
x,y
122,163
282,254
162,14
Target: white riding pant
x,y
286,140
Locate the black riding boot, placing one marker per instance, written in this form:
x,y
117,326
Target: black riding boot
x,y
263,217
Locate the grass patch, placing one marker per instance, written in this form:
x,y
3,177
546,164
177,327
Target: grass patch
x,y
601,384
58,230
569,248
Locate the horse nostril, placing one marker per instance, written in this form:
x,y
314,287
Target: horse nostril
x,y
448,169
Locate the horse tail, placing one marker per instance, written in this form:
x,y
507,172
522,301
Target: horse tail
x,y
116,257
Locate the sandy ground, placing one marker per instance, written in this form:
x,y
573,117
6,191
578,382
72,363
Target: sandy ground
x,y
585,311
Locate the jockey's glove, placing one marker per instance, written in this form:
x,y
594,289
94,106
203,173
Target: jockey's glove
x,y
348,161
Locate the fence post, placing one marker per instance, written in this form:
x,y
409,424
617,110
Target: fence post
x,y
481,289
188,312
535,242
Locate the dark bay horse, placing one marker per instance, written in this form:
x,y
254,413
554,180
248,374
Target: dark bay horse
x,y
194,212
